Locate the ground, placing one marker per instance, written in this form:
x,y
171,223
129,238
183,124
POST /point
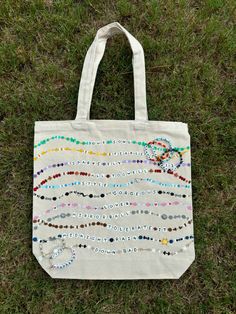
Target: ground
x,y
189,47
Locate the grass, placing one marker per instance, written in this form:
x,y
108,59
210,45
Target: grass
x,y
189,47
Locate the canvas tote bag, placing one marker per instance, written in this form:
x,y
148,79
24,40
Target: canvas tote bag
x,y
112,199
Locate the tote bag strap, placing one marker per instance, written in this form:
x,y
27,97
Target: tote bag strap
x,y
91,63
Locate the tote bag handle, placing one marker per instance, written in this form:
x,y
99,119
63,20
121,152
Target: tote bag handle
x,y
91,63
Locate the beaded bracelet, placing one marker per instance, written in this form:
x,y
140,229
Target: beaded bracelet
x,y
111,227
104,142
111,185
162,241
136,250
168,154
121,251
112,175
165,147
68,262
99,163
113,193
55,252
116,205
60,149
80,215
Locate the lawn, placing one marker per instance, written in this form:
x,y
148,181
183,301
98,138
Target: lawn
x,y
189,48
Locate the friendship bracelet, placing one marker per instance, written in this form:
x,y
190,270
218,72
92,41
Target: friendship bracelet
x,y
100,163
111,185
112,227
67,263
169,153
113,193
135,250
112,175
165,147
59,149
111,252
116,205
53,253
76,141
120,251
162,241
57,251
79,215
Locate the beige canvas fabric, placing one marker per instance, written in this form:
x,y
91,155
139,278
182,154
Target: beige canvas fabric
x,y
112,199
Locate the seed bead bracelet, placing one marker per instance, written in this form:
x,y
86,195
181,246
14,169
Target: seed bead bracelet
x,y
117,205
112,227
99,163
104,142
